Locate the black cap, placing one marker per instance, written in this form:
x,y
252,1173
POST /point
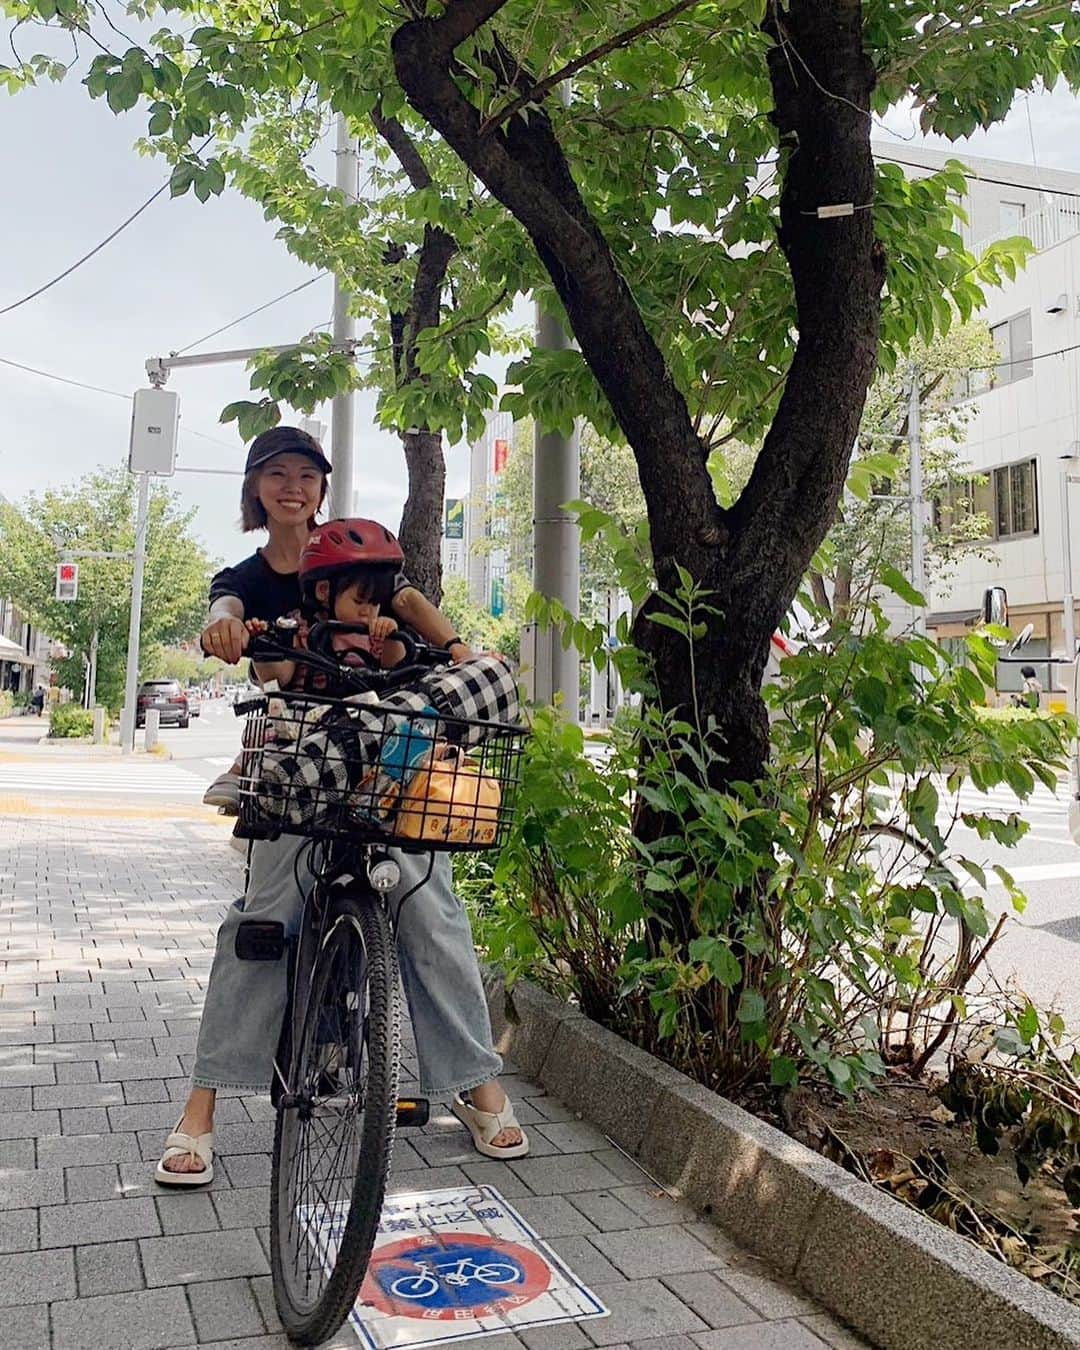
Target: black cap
x,y
285,441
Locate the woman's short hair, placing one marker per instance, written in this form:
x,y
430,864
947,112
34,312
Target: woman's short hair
x,y
252,511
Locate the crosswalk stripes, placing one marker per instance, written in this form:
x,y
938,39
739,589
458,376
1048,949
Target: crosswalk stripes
x,y
157,780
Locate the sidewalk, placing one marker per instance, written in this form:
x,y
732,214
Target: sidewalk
x,y
107,922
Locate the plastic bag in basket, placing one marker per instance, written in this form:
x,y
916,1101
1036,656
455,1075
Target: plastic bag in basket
x,y
448,800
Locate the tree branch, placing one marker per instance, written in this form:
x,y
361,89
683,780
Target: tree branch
x,y
461,19
403,146
524,167
544,87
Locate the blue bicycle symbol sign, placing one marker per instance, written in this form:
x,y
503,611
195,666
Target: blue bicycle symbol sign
x,y
420,1278
428,1279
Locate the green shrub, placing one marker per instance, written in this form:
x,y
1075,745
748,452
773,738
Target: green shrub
x,y
7,703
816,923
68,722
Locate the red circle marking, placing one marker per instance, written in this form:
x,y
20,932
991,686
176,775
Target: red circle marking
x,y
536,1270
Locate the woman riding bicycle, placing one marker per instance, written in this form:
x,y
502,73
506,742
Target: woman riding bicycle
x,y
283,488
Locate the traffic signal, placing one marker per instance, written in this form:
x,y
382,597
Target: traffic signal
x,y
67,581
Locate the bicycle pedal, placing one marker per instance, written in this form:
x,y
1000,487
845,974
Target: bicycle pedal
x,y
414,1111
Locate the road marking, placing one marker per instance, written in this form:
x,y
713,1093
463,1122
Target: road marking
x,y
157,780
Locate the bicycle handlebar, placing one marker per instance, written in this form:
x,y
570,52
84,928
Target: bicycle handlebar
x,y
277,644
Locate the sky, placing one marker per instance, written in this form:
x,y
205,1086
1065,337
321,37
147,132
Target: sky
x,y
185,268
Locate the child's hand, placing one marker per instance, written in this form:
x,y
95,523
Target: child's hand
x,y
256,626
379,630
460,651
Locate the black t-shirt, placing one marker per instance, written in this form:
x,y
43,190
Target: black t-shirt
x,y
264,593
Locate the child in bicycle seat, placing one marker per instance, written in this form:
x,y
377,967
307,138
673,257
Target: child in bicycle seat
x,y
348,570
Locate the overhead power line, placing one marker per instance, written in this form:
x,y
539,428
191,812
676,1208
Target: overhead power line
x,y
250,314
97,247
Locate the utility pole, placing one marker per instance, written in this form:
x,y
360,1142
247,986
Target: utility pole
x,y
131,683
341,435
556,542
556,537
918,505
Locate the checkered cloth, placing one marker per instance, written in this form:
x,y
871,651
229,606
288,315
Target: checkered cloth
x,y
302,783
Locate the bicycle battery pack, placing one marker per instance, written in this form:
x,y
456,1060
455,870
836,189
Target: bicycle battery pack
x,y
257,940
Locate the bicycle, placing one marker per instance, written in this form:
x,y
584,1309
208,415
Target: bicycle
x,y
335,1083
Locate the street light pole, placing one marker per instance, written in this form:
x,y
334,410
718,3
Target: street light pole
x,y
131,683
341,433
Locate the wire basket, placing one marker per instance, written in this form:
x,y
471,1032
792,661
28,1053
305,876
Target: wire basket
x,y
364,771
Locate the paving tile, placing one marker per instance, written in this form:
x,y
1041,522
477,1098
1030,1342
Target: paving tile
x,y
27,1327
18,1153
36,1277
433,1179
605,1211
188,1211
654,1205
711,1299
202,1256
561,1336
15,1099
27,1075
78,1094
786,1335
28,1124
123,1070
85,1071
562,1175
553,1216
641,1310
108,1268
573,1136
244,1207
149,1319
224,1309
86,1150
84,1120
18,1230
642,1252
832,1333
245,1169
62,1225
664,1343
23,1189
589,1264
99,1182
146,1090
756,1285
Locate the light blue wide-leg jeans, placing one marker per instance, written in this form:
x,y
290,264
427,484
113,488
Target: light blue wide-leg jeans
x,y
245,1000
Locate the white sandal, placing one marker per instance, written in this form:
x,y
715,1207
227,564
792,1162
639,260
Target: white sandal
x,y
196,1146
486,1125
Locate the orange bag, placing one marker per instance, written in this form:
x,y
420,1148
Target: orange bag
x,y
449,801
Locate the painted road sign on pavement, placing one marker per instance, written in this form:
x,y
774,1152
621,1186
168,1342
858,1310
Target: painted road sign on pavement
x,y
452,1265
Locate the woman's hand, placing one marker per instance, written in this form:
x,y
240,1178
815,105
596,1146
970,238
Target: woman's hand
x,y
226,638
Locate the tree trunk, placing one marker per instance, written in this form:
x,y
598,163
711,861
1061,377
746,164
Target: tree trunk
x,y
421,520
753,556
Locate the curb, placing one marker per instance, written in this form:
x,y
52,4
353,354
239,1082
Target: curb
x,y
899,1279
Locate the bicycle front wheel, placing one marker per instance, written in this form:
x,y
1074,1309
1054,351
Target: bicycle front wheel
x,y
335,1121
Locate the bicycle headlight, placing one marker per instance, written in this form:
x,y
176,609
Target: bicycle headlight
x,y
384,874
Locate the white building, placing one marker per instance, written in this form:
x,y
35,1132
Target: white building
x,y
1028,414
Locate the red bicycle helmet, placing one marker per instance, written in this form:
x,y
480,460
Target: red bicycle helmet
x,y
343,544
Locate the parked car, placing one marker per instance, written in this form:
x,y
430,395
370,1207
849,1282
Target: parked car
x,y
167,697
194,698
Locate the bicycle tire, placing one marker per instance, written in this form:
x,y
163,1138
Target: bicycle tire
x,y
350,990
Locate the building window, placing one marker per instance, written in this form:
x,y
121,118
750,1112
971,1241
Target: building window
x,y
1011,216
1015,500
1012,338
1007,496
